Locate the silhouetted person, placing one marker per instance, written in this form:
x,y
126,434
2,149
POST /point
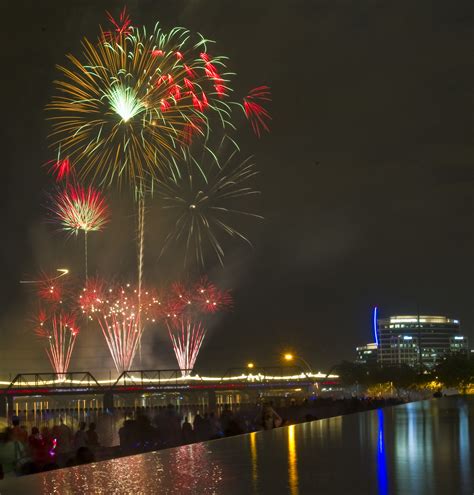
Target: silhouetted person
x,y
64,438
80,438
205,427
187,430
18,433
92,437
269,419
38,448
198,427
146,434
226,417
215,426
11,451
127,436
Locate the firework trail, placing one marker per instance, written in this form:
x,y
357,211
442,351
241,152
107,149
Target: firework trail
x,y
77,208
61,168
141,247
119,311
44,278
255,112
121,27
59,330
186,338
183,310
205,196
55,321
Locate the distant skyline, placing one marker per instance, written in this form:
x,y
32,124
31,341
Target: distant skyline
x,y
366,177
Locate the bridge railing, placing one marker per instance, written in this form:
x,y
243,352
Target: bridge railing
x,y
76,381
70,380
266,374
152,377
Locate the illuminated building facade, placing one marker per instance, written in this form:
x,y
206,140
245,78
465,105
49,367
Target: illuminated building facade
x,y
367,354
418,340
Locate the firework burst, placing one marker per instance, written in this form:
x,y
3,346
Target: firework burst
x,y
50,289
59,331
121,315
205,195
124,106
183,310
77,208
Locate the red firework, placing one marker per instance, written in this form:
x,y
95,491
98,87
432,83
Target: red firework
x,y
255,112
209,298
51,290
61,168
122,27
59,331
183,310
121,314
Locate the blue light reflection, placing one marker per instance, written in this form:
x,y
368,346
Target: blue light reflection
x,y
382,475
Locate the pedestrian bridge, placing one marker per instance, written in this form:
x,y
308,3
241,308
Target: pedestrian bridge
x,y
149,381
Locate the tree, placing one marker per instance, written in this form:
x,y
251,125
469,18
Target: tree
x,y
352,373
456,371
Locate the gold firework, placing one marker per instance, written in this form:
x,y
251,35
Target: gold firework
x,y
126,105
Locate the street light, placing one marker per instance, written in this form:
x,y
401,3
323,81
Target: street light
x,y
250,365
288,356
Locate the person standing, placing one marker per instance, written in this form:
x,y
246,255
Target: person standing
x,y
64,439
80,438
187,430
92,437
18,432
11,452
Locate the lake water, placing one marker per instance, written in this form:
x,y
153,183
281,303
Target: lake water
x,y
417,448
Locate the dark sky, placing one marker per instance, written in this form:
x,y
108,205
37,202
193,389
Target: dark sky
x,y
367,176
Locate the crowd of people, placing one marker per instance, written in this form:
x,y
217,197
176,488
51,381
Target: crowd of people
x,y
45,449
154,429
167,428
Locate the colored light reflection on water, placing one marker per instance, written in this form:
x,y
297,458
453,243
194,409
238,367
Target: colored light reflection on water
x,y
381,457
418,448
292,461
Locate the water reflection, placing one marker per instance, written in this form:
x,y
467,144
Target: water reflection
x,y
420,448
292,462
414,448
464,447
254,460
189,469
382,477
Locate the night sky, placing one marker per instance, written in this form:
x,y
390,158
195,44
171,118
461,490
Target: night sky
x,y
367,177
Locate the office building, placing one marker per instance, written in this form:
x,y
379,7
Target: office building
x,y
418,340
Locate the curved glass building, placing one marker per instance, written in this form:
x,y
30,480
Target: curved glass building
x,y
418,339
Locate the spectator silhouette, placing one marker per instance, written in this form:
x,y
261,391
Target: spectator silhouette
x,y
92,437
80,438
18,432
226,417
187,430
